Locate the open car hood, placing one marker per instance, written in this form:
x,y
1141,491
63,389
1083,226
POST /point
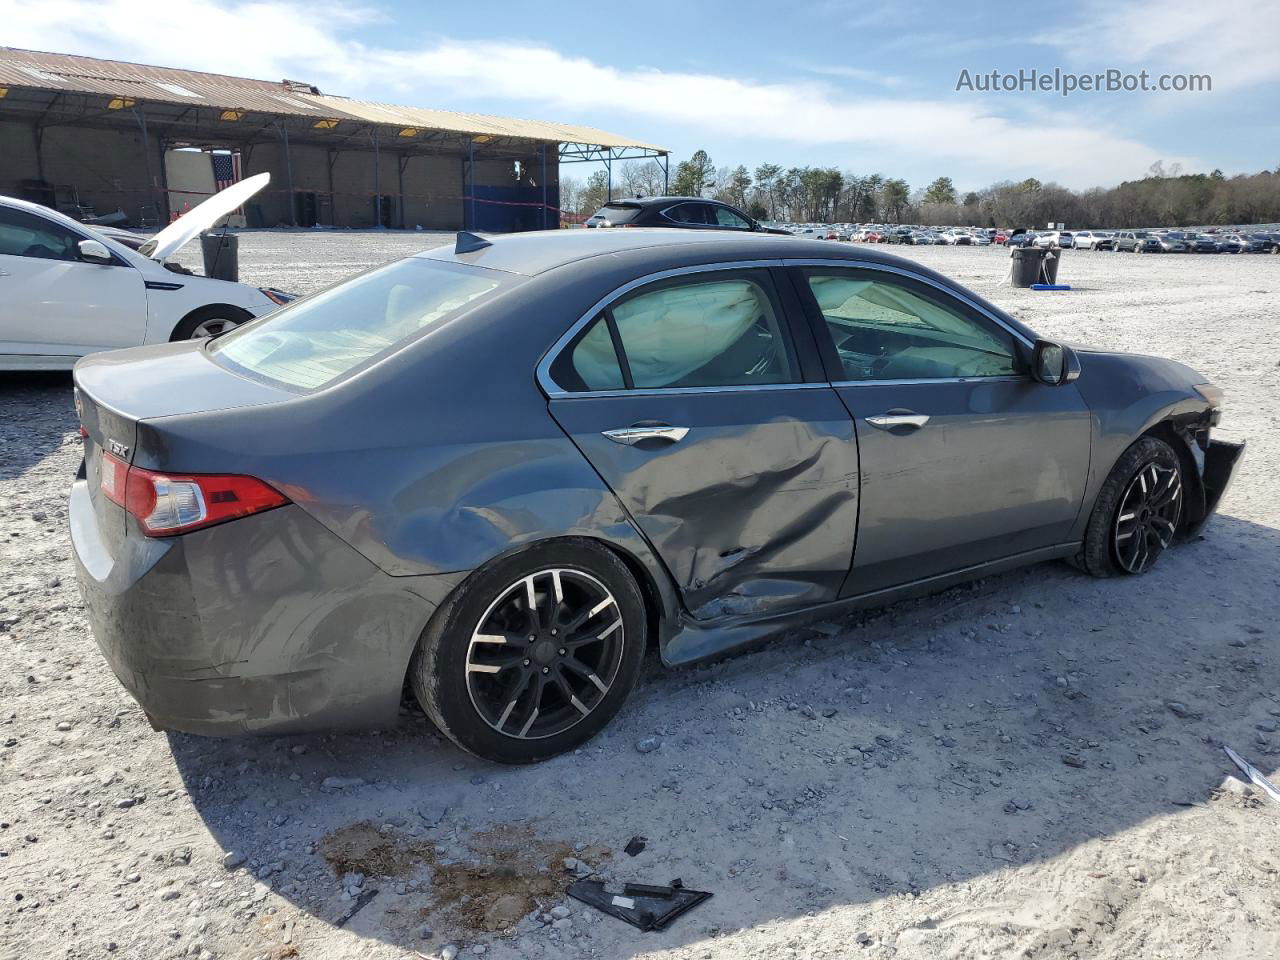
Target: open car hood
x,y
169,240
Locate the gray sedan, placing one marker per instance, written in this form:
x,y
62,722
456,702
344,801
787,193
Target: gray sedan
x,y
501,471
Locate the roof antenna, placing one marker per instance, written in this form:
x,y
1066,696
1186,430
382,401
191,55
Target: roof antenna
x,y
469,243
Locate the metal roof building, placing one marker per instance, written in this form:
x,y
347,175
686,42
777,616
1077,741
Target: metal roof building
x,y
89,135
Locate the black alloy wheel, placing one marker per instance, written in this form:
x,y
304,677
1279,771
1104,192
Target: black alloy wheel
x,y
545,653
1147,520
534,653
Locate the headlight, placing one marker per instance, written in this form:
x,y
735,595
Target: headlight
x,y
1212,395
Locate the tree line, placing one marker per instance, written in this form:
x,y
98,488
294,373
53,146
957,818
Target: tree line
x,y
828,195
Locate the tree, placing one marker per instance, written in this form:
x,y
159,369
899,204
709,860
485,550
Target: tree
x,y
642,178
766,187
941,190
894,196
595,193
693,176
733,187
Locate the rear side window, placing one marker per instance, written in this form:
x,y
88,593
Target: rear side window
x,y
693,331
617,214
690,213
24,234
310,343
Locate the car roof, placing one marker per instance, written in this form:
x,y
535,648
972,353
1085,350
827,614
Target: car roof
x,y
41,210
659,201
539,251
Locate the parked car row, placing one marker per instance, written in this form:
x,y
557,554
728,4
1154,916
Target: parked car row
x,y
697,213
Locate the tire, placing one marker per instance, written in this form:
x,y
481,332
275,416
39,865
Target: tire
x,y
532,702
209,322
1137,514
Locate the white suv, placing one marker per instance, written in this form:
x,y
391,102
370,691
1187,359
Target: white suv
x,y
1054,238
68,290
1085,240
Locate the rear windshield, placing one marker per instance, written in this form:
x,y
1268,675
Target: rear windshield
x,y
618,214
318,339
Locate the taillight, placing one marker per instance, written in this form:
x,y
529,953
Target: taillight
x,y
166,505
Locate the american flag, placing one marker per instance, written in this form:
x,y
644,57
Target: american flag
x,y
226,171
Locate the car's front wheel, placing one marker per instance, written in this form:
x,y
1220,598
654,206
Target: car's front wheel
x,y
209,322
1137,513
533,654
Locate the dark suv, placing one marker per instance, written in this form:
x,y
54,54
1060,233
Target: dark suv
x,y
689,212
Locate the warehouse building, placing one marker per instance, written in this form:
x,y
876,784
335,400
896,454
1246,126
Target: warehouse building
x,y
125,141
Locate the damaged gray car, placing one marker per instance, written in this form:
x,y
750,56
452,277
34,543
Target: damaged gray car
x,y
498,472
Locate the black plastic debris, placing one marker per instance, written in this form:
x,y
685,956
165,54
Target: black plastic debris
x,y
642,905
1254,774
635,846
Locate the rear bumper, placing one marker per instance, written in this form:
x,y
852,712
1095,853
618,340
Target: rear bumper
x,y
1221,461
269,623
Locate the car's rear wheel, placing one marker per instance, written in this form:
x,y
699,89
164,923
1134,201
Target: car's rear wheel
x,y
1137,514
210,322
534,654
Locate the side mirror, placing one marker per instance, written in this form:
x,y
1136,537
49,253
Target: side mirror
x,y
1054,364
92,251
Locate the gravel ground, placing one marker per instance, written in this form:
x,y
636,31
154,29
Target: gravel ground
x,y
1029,766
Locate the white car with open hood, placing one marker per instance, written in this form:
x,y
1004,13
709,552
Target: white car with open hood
x,y
67,291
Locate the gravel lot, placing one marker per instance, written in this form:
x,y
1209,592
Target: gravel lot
x,y
1029,766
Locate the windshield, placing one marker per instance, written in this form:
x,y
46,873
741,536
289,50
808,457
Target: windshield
x,y
322,337
617,214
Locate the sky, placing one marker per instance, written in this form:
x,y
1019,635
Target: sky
x,y
869,87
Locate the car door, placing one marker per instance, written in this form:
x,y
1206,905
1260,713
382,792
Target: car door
x,y
964,457
712,421
55,303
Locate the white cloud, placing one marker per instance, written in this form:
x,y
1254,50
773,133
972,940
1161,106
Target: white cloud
x,y
979,141
1233,42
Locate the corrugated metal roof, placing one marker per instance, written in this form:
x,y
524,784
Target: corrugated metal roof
x,y
115,78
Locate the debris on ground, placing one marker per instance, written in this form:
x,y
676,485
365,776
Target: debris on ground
x,y
644,906
1253,774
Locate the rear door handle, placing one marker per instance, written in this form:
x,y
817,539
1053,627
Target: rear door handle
x,y
633,435
887,421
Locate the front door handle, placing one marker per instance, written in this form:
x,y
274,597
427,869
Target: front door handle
x,y
633,435
887,421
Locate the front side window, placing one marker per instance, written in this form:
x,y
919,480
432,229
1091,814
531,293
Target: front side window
x,y
890,328
316,340
24,234
727,218
692,331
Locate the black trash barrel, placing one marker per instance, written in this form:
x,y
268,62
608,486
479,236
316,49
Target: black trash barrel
x,y
1026,265
221,255
1051,263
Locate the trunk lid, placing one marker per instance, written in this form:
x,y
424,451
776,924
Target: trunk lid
x,y
116,393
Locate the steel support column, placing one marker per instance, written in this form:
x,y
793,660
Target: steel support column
x,y
146,158
469,185
543,219
288,170
377,181
666,173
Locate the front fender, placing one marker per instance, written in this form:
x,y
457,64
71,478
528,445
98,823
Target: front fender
x,y
1130,396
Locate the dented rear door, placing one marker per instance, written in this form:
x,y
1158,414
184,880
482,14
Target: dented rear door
x,y
742,475
754,510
